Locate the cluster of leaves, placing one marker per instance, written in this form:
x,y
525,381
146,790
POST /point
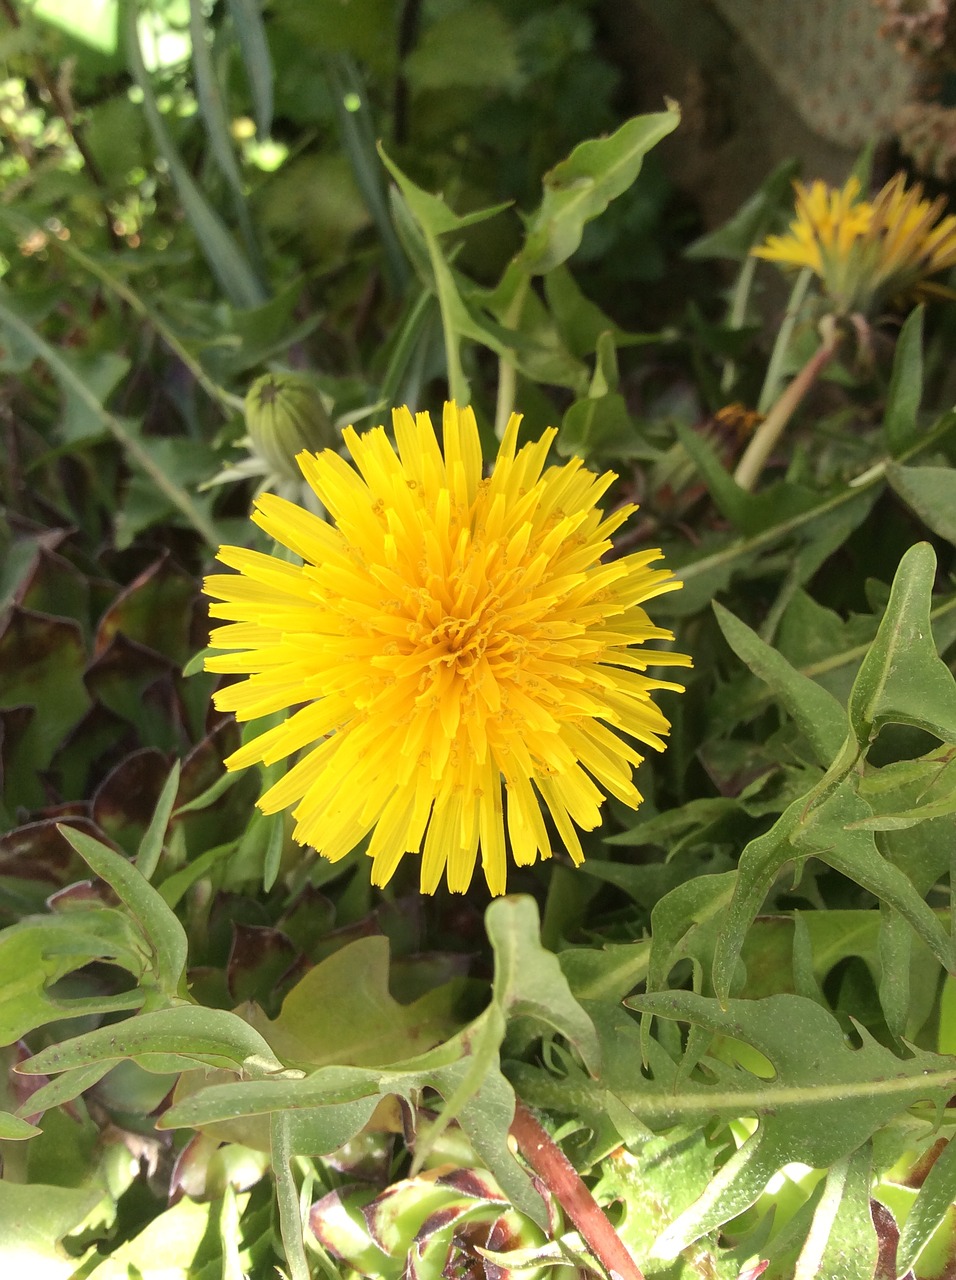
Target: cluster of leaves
x,y
224,1055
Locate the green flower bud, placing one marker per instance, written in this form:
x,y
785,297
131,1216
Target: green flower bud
x,y
285,414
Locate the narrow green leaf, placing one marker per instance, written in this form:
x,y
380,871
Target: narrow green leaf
x,y
431,212
581,187
750,512
151,845
753,220
434,218
819,716
250,28
291,1223
213,1037
824,1100
65,1088
906,386
931,493
896,947
842,1239
357,133
736,1186
236,277
684,924
123,433
15,1129
273,855
935,1200
158,923
217,124
902,679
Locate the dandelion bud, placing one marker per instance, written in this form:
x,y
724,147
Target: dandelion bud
x,y
285,414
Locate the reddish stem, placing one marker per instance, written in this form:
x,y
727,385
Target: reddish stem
x,y
561,1178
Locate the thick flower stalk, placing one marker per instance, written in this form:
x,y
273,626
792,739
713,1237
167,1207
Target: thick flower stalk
x,y
452,653
868,254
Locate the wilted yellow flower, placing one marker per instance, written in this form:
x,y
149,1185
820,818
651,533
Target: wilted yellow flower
x,y
868,254
453,632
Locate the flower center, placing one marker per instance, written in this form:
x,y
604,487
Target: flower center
x,y
461,642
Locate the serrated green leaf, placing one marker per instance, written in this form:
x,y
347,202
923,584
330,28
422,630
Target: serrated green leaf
x,y
159,925
819,716
854,853
902,679
824,1100
432,214
581,187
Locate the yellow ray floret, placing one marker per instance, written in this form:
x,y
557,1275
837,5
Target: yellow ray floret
x,y
453,652
868,253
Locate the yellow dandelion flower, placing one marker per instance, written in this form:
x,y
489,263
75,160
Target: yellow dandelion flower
x,y
868,254
452,633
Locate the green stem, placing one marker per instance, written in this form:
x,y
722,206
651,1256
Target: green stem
x,y
771,383
765,438
507,368
133,448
